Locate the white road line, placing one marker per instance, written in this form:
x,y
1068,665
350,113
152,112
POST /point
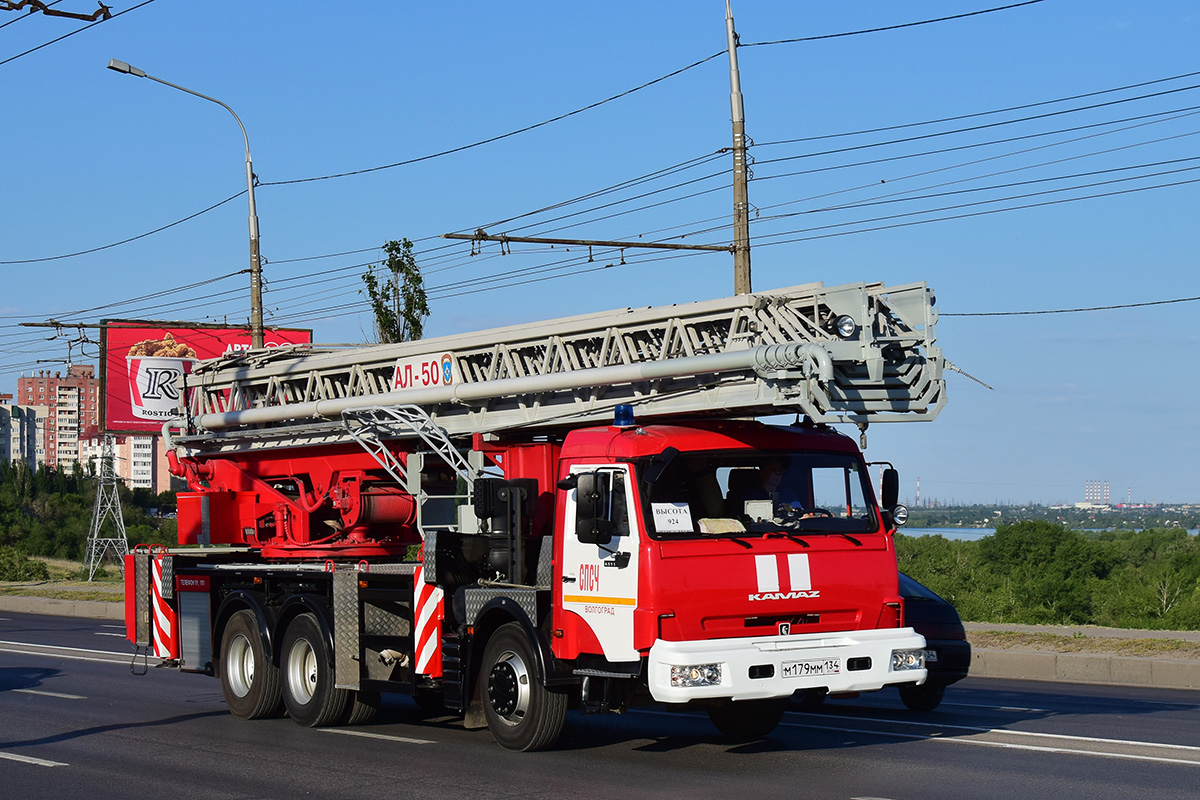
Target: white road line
x,y
122,627
102,633
1004,731
67,652
41,762
1000,708
51,694
1007,745
384,736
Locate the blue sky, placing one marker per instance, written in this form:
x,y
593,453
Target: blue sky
x,y
93,157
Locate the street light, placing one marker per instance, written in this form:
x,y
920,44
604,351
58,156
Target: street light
x,y
256,321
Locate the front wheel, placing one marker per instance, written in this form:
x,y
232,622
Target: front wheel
x,y
747,719
308,688
249,681
923,697
521,713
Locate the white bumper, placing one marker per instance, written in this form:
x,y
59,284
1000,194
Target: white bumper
x,y
782,664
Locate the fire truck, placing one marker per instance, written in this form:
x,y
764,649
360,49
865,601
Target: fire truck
x,y
587,513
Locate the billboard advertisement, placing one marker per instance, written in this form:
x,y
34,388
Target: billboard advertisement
x,y
141,363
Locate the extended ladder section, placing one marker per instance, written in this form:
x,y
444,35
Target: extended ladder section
x,y
857,353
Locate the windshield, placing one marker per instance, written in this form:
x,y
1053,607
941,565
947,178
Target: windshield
x,y
731,492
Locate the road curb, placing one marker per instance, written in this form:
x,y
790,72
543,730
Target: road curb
x,y
1161,673
88,609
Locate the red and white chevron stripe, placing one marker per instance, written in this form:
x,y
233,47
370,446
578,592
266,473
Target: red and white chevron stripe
x,y
427,628
166,642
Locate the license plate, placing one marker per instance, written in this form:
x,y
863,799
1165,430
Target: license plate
x,y
931,656
802,669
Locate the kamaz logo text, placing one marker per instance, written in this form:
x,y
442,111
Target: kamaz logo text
x,y
786,595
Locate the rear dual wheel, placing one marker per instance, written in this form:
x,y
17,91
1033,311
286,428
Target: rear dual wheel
x,y
309,693
249,680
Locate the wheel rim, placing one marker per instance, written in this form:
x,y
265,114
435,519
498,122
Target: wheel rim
x,y
302,670
509,688
239,665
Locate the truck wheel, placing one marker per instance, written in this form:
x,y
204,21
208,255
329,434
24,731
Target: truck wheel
x,y
809,699
521,713
923,697
249,681
747,719
364,708
308,691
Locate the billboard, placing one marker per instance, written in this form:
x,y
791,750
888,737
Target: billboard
x,y
140,363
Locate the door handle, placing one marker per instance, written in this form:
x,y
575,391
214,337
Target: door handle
x,y
568,579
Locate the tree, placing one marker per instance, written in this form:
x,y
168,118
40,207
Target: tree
x,y
399,302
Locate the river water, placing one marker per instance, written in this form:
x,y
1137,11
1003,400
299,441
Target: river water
x,y
962,533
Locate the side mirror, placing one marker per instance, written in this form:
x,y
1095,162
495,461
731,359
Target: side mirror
x,y
592,505
890,488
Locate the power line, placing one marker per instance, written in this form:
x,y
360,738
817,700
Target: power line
x,y
130,239
1068,310
892,27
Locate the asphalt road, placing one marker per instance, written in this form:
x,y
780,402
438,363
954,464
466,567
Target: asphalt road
x,y
74,722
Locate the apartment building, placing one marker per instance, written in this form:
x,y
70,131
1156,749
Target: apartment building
x,y
73,401
139,461
22,432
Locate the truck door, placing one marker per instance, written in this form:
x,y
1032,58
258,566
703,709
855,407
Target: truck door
x,y
600,579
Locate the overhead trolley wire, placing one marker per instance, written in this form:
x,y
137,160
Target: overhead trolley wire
x,y
72,33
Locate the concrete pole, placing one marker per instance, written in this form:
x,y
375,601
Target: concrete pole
x,y
741,195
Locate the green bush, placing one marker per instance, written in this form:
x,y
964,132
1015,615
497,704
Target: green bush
x,y
16,566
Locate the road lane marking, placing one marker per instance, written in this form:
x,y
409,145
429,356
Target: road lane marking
x,y
73,653
51,694
1000,708
41,762
1004,731
102,633
933,737
385,736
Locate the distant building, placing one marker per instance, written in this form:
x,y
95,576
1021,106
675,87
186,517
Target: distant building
x,y
22,433
1096,493
140,461
74,409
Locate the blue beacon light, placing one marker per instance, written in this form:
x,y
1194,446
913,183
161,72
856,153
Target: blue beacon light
x,y
623,416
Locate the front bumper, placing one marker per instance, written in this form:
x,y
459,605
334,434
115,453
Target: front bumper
x,y
762,667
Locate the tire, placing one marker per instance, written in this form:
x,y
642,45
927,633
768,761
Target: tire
x,y
364,707
923,697
521,713
308,691
809,699
249,680
748,719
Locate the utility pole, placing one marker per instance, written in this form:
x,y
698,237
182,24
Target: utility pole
x,y
741,194
108,504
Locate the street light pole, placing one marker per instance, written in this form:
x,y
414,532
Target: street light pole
x,y
256,320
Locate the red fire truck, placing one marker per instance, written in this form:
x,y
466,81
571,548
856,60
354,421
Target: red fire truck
x,y
601,521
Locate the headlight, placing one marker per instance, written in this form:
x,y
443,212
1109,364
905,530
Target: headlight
x,y
696,675
907,659
846,326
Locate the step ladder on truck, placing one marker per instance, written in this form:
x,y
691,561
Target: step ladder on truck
x,y
602,521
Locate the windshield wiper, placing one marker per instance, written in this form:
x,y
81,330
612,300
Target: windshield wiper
x,y
731,538
786,535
